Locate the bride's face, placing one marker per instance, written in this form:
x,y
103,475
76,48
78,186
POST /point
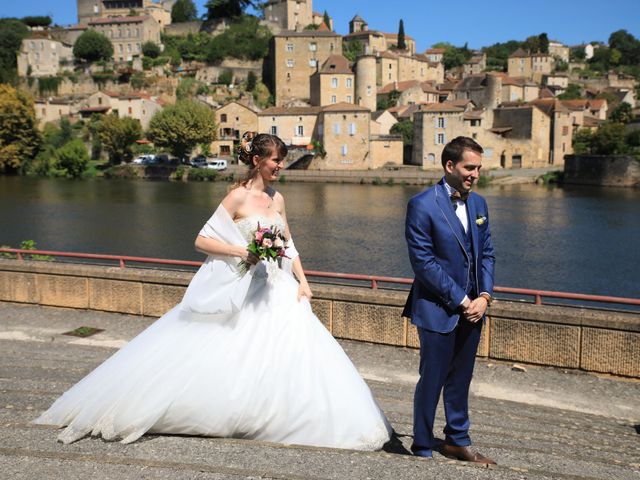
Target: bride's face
x,y
269,167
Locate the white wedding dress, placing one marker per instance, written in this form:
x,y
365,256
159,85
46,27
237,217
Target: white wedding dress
x,y
239,357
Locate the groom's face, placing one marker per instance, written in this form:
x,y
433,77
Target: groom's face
x,y
466,172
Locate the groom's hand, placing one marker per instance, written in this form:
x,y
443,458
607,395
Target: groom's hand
x,y
476,309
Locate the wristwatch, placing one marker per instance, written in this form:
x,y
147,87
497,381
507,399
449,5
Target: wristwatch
x,y
487,297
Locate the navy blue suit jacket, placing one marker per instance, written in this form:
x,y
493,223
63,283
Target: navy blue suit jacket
x,y
440,262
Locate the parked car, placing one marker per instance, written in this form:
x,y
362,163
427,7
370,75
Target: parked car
x,y
144,159
217,165
163,159
199,162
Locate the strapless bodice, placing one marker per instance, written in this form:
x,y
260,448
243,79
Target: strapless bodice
x,y
248,225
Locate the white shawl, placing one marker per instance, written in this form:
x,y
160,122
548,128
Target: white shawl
x,y
218,289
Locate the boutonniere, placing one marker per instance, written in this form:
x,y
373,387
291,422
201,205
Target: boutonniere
x,y
480,220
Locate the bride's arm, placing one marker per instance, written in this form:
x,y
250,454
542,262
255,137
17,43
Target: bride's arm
x,y
296,267
211,246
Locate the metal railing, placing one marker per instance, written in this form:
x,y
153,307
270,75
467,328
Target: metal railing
x,y
373,280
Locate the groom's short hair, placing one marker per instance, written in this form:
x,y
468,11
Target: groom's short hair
x,y
455,149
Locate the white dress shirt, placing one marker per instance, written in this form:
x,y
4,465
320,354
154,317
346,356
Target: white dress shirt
x,y
461,208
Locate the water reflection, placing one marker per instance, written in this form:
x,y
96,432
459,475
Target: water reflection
x,y
572,239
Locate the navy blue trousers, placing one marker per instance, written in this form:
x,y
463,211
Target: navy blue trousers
x,y
446,365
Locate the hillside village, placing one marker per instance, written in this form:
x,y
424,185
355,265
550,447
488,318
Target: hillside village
x,y
365,100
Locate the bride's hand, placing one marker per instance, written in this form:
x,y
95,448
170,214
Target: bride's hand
x,y
247,256
304,291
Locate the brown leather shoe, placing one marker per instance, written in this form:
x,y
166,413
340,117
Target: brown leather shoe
x,y
465,454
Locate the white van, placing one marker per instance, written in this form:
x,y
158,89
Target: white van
x,y
217,165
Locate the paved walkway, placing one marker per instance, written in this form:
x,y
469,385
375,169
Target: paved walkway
x,y
540,423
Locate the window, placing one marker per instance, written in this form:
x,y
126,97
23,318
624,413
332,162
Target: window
x,y
274,130
223,118
336,128
334,82
352,129
349,82
432,158
368,90
288,75
290,63
344,150
130,110
313,62
300,130
475,123
333,99
289,47
488,152
441,122
565,131
349,100
313,46
440,139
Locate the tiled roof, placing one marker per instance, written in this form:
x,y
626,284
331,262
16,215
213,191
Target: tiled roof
x,y
306,33
336,64
364,33
395,36
434,51
273,111
592,121
519,53
597,103
473,114
441,107
399,86
545,93
344,107
575,105
357,18
109,20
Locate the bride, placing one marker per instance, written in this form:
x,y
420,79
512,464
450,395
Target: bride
x,y
242,355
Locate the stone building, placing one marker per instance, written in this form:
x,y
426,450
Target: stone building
x,y
160,11
557,49
375,41
476,64
530,65
512,135
54,109
296,126
139,106
289,14
435,54
40,57
344,130
128,34
412,92
232,119
297,56
334,82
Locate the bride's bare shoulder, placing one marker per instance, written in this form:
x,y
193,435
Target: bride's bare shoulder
x,y
235,198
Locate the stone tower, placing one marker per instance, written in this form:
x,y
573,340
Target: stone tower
x,y
289,14
366,91
88,10
357,24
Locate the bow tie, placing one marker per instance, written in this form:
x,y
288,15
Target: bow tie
x,y
456,195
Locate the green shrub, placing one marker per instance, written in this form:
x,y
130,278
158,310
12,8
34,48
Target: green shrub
x,y
202,175
377,181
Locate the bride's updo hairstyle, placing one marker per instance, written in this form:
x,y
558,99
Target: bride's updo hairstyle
x,y
261,144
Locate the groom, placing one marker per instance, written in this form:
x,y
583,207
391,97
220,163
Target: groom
x,y
447,232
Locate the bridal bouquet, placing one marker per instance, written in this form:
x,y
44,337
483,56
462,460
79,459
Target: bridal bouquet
x,y
267,244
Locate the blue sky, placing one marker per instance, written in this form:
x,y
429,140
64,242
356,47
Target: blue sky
x,y
478,22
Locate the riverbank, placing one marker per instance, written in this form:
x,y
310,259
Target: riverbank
x,y
400,175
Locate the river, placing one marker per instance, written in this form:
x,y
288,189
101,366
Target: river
x,y
577,239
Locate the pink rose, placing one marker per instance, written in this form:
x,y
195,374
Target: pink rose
x,y
259,235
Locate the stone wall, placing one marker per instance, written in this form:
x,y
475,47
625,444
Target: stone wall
x,y
568,337
602,170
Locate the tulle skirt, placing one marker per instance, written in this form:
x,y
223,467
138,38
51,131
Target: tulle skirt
x,y
270,372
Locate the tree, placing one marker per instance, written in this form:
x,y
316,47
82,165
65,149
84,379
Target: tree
x,y
252,81
245,39
623,113
92,46
627,45
389,101
72,158
498,54
402,44
150,49
226,77
327,20
183,11
37,21
577,54
226,8
456,56
609,139
118,135
19,135
582,141
352,49
573,92
404,128
181,127
543,43
12,32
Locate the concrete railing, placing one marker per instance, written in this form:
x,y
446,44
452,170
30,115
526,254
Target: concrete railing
x,y
568,337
